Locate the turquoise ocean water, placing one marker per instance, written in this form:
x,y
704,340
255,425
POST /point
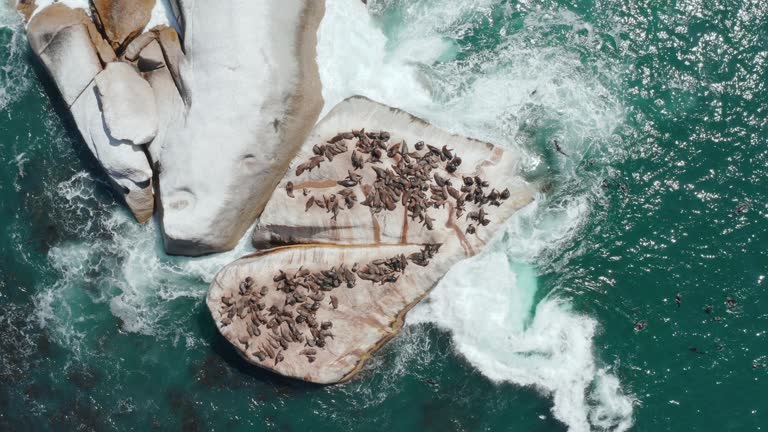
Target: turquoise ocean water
x,y
661,107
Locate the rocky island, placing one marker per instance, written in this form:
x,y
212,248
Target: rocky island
x,y
206,121
374,210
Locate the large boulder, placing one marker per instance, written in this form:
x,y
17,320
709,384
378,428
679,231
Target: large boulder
x,y
122,20
128,104
231,106
66,42
59,36
375,209
251,84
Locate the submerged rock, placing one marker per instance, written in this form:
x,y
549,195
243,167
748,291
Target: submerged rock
x,y
373,212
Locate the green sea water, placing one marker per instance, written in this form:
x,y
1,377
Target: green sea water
x,y
661,107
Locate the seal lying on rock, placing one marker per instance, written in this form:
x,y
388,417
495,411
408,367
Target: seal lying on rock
x,y
377,228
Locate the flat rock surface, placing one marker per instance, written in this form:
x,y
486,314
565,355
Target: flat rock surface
x,y
377,198
365,317
292,219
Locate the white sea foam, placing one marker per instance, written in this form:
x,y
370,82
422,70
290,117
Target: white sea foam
x,y
126,268
488,304
522,95
8,15
14,72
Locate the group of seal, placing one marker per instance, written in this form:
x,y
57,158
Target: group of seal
x,y
409,178
292,318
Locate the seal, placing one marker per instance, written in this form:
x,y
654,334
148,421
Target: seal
x,y
558,148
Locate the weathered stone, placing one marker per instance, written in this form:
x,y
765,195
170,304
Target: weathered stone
x,y
63,39
128,103
170,106
126,165
59,36
122,20
245,118
174,55
151,57
337,223
134,48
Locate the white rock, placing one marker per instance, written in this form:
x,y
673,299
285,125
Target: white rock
x,y
252,85
128,104
126,165
170,106
60,36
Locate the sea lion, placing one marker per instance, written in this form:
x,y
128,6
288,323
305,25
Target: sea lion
x,y
678,299
559,149
243,340
641,325
730,302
